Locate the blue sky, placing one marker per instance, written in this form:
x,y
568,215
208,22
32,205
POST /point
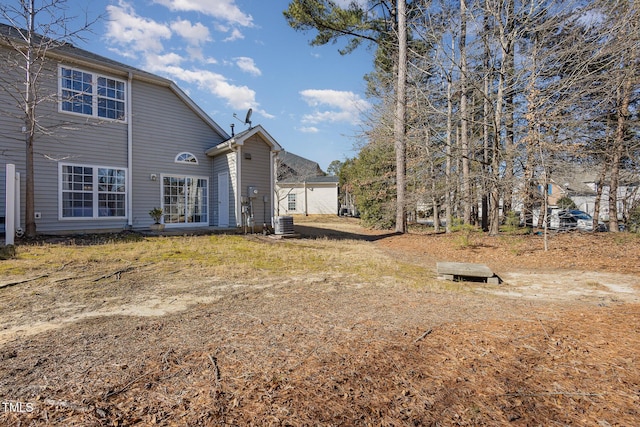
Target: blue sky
x,y
232,55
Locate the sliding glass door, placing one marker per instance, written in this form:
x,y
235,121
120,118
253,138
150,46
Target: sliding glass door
x,y
185,200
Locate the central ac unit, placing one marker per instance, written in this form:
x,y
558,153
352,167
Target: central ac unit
x,y
283,225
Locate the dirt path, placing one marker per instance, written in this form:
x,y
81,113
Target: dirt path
x,y
38,305
570,285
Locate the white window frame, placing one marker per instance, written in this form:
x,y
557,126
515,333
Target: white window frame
x,y
96,98
292,201
95,190
186,157
168,208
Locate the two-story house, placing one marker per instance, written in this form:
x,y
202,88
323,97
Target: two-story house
x,y
119,142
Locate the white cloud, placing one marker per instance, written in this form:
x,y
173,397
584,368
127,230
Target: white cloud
x,y
345,3
196,54
333,106
142,38
247,65
309,129
329,116
237,97
235,35
195,34
225,10
138,34
265,114
162,61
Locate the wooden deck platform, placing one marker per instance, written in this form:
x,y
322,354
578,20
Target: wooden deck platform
x,y
466,271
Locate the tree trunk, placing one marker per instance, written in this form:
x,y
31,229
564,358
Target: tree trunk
x,y
434,187
596,205
399,122
30,126
495,155
464,115
618,150
533,143
623,97
486,110
508,56
449,152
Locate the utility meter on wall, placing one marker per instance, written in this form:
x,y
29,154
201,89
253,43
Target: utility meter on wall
x,y
252,192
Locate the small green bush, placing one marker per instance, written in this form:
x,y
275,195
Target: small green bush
x,y
465,232
511,223
156,214
566,203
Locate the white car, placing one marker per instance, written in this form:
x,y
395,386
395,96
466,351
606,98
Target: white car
x,y
572,219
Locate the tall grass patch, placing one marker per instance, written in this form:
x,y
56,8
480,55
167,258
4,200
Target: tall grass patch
x,y
225,257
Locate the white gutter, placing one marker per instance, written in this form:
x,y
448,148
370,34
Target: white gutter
x,y
129,154
306,212
272,174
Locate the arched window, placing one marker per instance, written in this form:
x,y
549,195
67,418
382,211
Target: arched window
x,y
186,158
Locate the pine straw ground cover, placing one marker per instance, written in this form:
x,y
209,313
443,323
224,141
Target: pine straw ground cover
x,y
347,330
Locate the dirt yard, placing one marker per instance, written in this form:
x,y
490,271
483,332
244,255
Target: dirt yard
x,y
341,326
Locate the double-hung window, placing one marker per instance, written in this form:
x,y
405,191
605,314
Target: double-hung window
x,y
291,202
92,191
91,94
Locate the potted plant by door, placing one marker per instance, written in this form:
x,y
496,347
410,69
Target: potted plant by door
x,y
156,214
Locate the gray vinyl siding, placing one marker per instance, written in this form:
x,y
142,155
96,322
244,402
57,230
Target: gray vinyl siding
x,y
164,127
12,140
256,172
74,139
12,147
225,163
87,142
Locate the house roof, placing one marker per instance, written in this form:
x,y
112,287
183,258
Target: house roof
x,y
74,55
300,164
241,138
576,184
296,169
317,180
582,179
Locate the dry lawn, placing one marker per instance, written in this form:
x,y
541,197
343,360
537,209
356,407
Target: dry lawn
x,y
342,326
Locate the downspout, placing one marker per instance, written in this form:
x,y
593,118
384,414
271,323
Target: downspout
x,y
12,208
306,212
239,186
272,190
129,154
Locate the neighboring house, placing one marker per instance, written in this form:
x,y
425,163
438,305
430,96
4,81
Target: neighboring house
x,y
125,141
581,185
554,192
303,188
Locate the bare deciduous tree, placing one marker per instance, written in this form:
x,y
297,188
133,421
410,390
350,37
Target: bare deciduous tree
x,y
35,29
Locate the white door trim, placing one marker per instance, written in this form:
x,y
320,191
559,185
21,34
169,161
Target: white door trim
x,y
223,199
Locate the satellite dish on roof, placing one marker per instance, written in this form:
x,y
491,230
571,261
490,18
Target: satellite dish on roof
x,y
247,119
